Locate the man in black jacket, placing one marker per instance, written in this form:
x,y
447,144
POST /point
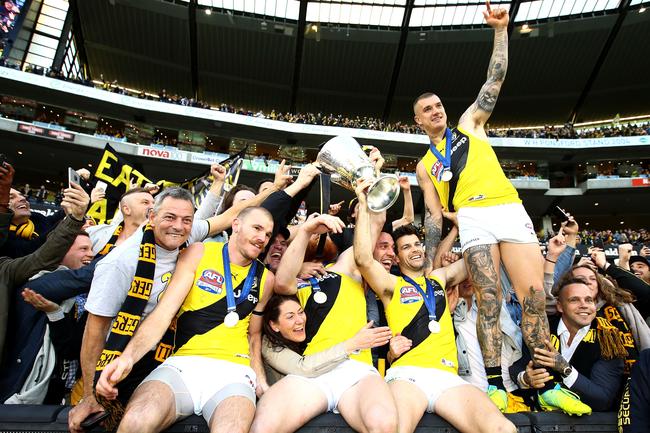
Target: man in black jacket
x,y
584,354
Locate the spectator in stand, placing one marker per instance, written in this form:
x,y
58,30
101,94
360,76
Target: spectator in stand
x,y
640,267
284,334
28,230
626,280
41,194
34,350
15,272
580,354
639,402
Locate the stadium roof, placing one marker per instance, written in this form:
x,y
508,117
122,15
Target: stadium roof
x,y
580,58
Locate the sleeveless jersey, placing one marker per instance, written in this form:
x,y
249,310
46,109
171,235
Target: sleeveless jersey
x,y
337,319
200,330
408,315
478,180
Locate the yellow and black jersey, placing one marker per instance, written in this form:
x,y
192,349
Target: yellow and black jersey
x,y
339,318
200,330
478,180
407,315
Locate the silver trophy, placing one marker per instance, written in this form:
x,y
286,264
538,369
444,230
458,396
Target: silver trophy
x,y
343,158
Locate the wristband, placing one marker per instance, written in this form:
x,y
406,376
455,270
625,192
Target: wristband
x,y
549,260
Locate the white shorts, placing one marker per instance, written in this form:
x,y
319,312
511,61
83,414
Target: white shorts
x,y
431,381
335,382
494,224
199,383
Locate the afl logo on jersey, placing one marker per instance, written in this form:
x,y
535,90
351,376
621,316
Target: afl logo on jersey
x,y
409,295
210,281
436,170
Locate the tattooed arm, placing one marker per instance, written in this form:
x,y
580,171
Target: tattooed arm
x,y
432,217
477,115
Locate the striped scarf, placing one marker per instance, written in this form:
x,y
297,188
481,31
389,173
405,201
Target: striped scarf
x,y
111,242
128,319
26,230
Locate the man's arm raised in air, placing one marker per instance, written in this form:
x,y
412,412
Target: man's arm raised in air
x,y
285,277
379,280
432,216
221,222
477,115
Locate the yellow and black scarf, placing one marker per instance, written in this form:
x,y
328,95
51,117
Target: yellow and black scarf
x,y
128,319
25,231
111,242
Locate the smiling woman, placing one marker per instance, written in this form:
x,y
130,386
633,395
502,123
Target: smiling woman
x,y
284,338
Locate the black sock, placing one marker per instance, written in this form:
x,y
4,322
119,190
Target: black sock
x,y
494,376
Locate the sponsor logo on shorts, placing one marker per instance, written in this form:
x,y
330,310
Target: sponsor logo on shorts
x,y
409,295
211,281
471,241
447,363
250,381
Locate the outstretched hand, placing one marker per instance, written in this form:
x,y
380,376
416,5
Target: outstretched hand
x,y
496,18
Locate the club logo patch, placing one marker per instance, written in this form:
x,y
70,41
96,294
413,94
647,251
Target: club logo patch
x,y
409,295
211,281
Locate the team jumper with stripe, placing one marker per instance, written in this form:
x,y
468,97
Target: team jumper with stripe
x,y
478,179
407,315
200,330
337,319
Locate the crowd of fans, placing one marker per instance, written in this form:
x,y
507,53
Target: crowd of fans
x,y
360,122
569,131
66,283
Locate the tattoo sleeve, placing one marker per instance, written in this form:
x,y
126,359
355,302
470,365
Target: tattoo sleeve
x,y
496,74
485,279
432,234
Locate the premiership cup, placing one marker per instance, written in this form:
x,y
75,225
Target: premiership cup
x,y
343,158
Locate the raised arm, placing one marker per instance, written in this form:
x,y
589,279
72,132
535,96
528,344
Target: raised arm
x,y
285,278
223,221
477,115
409,214
432,216
379,280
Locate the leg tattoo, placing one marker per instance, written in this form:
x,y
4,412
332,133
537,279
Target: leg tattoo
x,y
534,323
486,284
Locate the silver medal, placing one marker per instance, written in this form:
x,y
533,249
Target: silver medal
x,y
434,326
231,319
320,297
446,175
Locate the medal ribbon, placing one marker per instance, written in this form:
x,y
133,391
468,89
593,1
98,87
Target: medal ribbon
x,y
248,283
429,296
315,287
444,160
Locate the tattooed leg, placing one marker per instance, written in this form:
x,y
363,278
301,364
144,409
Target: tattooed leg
x,y
524,264
482,264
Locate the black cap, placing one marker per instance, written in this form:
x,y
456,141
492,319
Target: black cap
x,y
641,259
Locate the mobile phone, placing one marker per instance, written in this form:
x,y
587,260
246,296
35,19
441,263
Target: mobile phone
x,y
560,214
101,185
73,177
3,159
94,419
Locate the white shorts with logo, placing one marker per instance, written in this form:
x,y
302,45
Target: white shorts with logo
x,y
200,383
335,382
431,381
494,224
